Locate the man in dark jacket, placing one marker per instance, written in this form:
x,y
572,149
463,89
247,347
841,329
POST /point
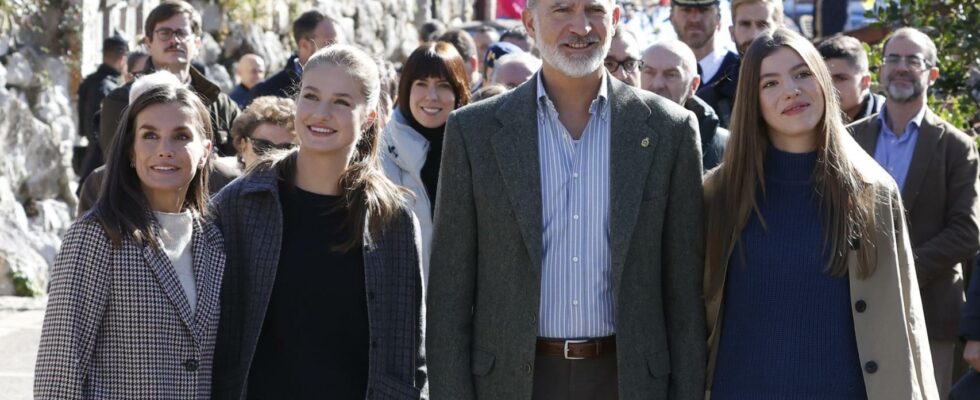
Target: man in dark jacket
x,y
697,23
250,70
670,70
173,37
848,64
92,90
312,31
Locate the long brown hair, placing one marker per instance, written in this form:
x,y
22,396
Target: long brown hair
x,y
847,201
369,196
122,208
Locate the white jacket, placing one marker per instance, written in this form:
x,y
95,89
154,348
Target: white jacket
x,y
403,154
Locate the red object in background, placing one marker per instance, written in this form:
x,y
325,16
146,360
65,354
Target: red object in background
x,y
510,8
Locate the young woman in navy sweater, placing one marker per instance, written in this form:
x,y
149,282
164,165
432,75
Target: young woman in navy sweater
x,y
809,283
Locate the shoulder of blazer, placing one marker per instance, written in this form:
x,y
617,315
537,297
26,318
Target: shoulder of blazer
x,y
931,121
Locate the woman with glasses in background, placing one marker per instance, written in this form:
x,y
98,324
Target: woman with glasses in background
x,y
264,126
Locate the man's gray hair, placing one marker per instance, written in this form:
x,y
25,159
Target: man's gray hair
x,y
918,36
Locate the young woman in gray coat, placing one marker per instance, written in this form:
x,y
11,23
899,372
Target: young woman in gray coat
x,y
323,295
133,307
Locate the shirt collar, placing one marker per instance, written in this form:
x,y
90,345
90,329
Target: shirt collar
x,y
914,123
599,104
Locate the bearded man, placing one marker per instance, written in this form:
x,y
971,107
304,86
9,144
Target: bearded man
x,y
567,236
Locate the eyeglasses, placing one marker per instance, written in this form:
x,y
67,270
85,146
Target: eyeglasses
x,y
628,65
262,146
912,62
165,34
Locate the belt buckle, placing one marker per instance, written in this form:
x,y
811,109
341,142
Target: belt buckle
x,y
573,341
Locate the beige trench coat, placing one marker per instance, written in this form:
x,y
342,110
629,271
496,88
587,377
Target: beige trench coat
x,y
888,319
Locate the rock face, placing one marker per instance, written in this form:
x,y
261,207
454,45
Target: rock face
x,y
36,194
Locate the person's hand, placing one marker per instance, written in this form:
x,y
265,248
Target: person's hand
x,y
971,353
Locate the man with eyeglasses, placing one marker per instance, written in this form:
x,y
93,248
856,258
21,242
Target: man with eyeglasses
x,y
623,59
173,38
312,31
936,167
697,23
670,70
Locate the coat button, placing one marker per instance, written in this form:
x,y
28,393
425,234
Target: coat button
x,y
860,306
526,368
533,318
871,367
191,365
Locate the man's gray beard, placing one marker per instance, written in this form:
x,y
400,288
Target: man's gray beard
x,y
904,95
575,68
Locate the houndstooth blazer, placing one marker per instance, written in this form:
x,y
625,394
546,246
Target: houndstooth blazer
x,y
249,214
118,325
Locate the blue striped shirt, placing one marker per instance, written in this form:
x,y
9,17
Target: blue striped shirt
x,y
576,276
894,150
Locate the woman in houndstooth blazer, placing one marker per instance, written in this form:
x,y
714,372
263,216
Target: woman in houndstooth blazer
x,y
323,292
133,307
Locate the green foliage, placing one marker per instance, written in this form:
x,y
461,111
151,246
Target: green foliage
x,y
22,285
952,25
246,11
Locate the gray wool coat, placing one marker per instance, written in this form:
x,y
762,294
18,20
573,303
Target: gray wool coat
x,y
485,272
249,214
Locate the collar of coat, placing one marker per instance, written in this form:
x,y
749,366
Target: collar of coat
x,y
403,144
199,83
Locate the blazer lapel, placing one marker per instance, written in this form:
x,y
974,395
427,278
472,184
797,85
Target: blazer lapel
x,y
632,145
867,135
515,146
209,265
925,147
166,275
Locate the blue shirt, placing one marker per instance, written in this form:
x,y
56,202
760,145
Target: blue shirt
x,y
576,276
894,153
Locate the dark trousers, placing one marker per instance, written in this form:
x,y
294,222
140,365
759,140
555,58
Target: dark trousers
x,y
556,378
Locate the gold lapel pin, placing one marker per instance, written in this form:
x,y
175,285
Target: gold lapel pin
x,y
645,142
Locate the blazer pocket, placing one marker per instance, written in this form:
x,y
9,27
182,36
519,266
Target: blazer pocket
x,y
659,364
482,362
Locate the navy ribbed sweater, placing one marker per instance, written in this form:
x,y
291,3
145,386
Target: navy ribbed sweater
x,y
787,330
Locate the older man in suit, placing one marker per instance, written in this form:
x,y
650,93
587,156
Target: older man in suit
x,y
935,165
567,246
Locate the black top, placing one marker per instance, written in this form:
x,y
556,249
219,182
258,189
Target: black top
x,y
430,169
315,338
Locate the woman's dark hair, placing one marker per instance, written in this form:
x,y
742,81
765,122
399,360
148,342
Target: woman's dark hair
x,y
122,208
435,59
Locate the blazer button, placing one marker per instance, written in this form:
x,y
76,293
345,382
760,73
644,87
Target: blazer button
x,y
527,368
860,306
533,318
191,365
871,367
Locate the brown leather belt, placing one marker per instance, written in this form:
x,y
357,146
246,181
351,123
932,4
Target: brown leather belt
x,y
577,349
